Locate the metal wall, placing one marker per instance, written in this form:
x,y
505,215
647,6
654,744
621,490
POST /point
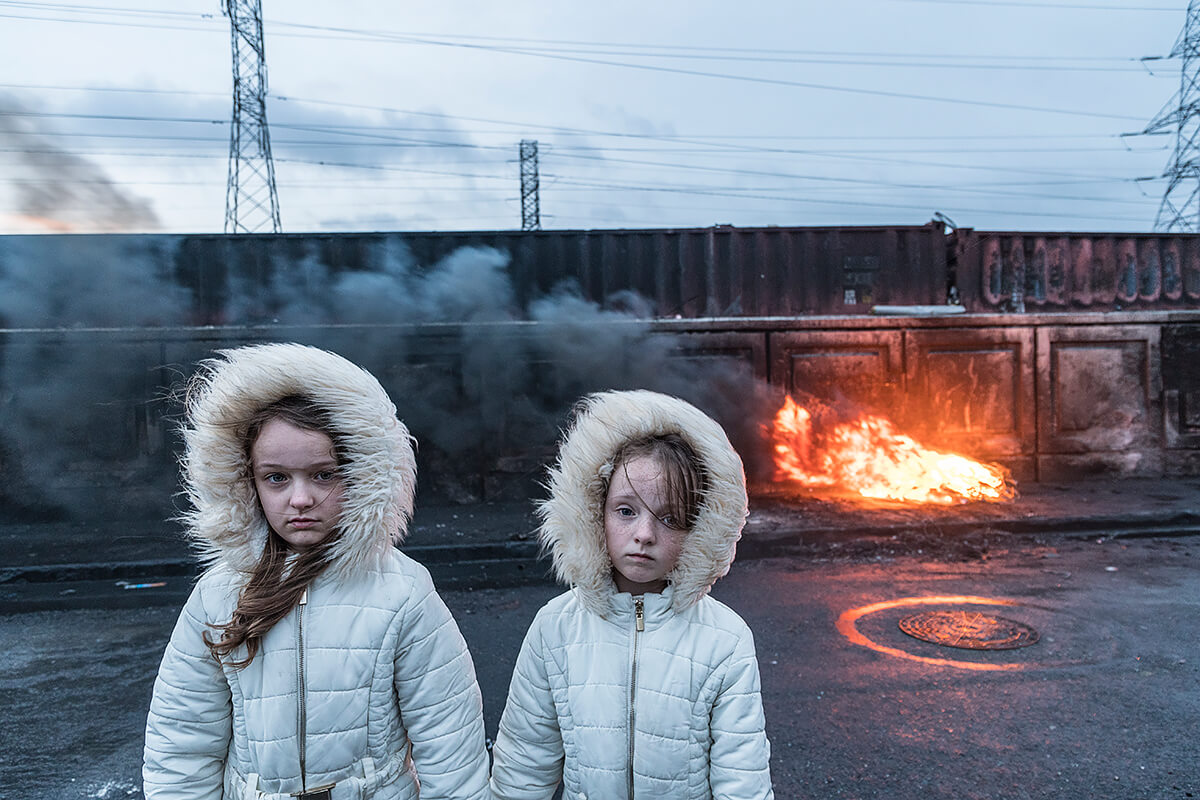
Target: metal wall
x,y
685,273
1030,271
86,415
723,271
689,273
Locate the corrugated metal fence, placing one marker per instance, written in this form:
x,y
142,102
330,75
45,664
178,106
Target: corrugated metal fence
x,y
686,273
1015,271
723,271
690,273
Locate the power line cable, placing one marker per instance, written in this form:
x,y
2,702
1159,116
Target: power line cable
x,y
906,162
732,147
343,129
406,143
724,76
750,53
859,204
784,82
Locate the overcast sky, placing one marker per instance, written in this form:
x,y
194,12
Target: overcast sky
x,y
407,116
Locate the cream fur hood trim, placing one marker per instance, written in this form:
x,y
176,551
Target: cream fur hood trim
x,y
225,520
572,526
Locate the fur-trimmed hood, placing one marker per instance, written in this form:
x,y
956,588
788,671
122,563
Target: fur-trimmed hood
x,y
572,526
225,520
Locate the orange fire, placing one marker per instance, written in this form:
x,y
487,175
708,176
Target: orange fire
x,y
870,458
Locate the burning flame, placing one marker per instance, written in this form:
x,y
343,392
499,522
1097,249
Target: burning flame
x,y
869,457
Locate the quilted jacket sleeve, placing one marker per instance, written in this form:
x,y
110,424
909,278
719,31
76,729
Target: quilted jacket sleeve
x,y
527,759
190,720
739,760
440,701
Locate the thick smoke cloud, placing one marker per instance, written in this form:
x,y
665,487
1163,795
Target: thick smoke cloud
x,y
57,190
484,381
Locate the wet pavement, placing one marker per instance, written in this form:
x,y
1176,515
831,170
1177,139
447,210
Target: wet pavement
x,y
1104,705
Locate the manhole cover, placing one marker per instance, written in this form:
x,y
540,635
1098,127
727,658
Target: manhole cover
x,y
969,630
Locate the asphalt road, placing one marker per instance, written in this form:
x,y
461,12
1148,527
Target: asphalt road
x,y
1104,705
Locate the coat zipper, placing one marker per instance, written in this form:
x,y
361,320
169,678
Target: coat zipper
x,y
302,711
640,625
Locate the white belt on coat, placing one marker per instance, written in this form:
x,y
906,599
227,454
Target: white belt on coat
x,y
352,788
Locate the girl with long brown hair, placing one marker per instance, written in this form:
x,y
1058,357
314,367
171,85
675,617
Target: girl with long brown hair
x,y
313,659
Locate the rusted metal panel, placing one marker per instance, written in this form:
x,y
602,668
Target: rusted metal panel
x,y
1100,395
1172,275
972,389
727,373
1183,419
992,287
733,350
1191,269
1058,259
1079,287
1181,385
864,368
1021,271
1127,271
1017,289
1149,270
1104,272
1037,278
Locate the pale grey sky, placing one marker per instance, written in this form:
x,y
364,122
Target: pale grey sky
x,y
390,116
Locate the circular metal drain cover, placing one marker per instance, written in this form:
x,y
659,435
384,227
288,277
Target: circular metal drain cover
x,y
969,630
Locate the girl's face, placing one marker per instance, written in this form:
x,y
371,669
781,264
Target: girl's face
x,y
299,486
642,546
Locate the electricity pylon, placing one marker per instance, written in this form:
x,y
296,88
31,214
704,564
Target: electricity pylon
x,y
1180,208
531,216
251,203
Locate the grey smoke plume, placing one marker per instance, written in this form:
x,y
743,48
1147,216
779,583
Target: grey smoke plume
x,y
60,190
484,382
74,404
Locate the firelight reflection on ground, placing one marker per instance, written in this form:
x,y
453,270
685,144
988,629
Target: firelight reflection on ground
x,y
847,626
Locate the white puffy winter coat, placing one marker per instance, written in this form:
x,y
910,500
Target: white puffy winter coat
x,y
654,697
367,684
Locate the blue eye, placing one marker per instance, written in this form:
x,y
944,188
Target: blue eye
x,y
274,477
326,475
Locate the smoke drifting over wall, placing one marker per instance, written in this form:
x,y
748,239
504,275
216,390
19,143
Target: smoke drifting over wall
x,y
55,190
483,381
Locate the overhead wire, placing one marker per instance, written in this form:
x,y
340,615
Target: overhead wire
x,y
366,139
579,45
443,41
565,151
371,132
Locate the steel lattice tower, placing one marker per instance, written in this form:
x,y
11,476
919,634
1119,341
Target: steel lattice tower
x,y
1180,208
531,215
251,203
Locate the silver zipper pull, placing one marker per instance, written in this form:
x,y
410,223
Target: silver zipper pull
x,y
639,614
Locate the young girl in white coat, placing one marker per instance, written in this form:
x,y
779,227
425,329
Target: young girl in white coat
x,y
636,683
313,660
